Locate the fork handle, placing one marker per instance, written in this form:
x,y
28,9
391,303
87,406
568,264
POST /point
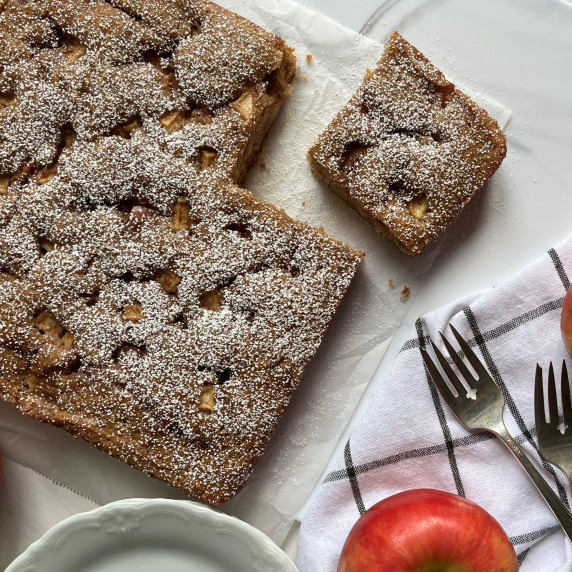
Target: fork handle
x,y
566,468
556,505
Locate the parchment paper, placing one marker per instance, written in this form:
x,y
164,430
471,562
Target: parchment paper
x,y
370,314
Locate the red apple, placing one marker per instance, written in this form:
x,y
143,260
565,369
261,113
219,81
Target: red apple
x,y
566,321
427,530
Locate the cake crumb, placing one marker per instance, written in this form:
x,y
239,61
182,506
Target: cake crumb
x,y
391,283
302,77
303,203
309,58
405,293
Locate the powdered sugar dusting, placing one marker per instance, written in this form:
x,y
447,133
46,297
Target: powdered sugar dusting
x,y
146,303
409,150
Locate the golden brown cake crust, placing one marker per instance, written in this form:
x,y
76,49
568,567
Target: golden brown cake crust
x,y
147,304
409,151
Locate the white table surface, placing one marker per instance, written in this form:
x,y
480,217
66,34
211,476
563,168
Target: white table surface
x,y
353,15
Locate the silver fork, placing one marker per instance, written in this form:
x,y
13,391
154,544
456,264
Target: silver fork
x,y
481,409
555,446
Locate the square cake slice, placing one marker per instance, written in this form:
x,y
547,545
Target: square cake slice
x,y
164,320
409,150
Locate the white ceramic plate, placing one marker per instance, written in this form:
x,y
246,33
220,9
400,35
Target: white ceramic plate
x,y
153,535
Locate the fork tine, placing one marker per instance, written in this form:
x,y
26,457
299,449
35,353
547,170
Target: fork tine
x,y
552,404
469,377
451,375
565,392
471,356
539,412
438,380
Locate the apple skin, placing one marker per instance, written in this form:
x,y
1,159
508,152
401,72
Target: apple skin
x,y
426,530
566,321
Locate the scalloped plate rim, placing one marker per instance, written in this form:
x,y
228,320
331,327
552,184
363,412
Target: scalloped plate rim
x,y
223,524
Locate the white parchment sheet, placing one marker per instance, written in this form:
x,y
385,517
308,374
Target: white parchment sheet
x,y
368,317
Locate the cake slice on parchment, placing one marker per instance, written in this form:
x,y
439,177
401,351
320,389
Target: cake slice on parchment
x,y
409,150
147,303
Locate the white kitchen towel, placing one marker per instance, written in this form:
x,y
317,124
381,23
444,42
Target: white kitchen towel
x,y
408,438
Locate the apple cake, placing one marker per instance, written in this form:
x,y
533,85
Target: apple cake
x,y
409,150
147,303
